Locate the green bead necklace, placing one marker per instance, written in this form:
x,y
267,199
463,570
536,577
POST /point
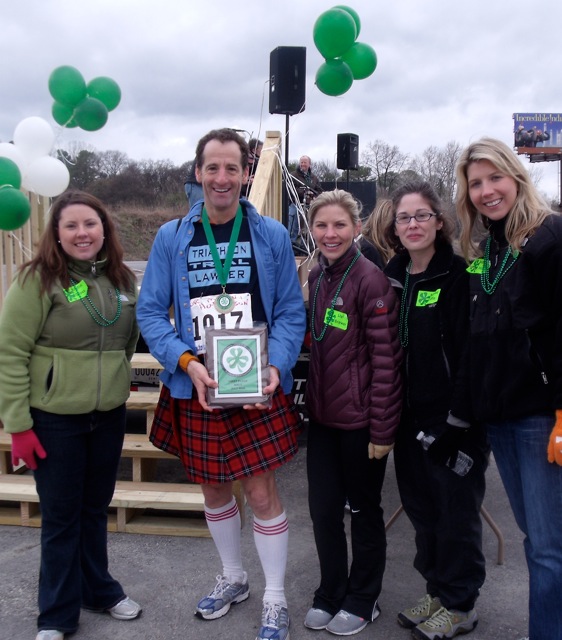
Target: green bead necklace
x,y
490,287
105,321
404,310
330,312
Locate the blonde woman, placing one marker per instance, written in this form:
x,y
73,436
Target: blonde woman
x,y
516,354
372,242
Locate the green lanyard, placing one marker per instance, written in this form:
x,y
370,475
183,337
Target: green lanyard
x,y
223,302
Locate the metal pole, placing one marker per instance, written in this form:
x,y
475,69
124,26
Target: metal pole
x,y
284,197
560,192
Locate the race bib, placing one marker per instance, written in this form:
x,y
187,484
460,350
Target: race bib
x,y
205,314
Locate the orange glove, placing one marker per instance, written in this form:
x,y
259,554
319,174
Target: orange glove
x,y
555,442
25,446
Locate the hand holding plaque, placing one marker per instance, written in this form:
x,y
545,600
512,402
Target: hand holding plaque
x,y
237,359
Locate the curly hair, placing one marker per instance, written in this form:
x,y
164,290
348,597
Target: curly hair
x,y
223,136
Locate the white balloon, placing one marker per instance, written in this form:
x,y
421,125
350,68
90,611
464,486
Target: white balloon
x,y
46,176
10,151
34,137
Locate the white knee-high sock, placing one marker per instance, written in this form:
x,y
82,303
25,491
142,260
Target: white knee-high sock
x,y
224,525
272,541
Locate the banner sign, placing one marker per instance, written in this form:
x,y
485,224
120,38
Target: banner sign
x,y
537,129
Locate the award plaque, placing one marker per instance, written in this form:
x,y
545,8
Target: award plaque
x,y
238,360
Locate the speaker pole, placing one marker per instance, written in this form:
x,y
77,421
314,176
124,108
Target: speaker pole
x,y
347,181
284,196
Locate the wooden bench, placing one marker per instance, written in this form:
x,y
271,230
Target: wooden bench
x,y
131,500
137,447
138,507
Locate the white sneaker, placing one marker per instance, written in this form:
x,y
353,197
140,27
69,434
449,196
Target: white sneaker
x,y
127,609
50,634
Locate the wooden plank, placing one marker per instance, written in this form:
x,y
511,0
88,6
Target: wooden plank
x,y
6,462
154,524
123,516
144,469
18,488
143,400
138,445
145,361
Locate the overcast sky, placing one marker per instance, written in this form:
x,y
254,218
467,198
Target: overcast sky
x,y
447,71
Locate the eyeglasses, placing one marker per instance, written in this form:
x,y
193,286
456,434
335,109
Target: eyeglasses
x,y
419,216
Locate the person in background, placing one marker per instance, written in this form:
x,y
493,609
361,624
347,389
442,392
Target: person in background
x,y
193,189
516,354
372,243
353,399
255,147
307,187
217,447
67,335
444,507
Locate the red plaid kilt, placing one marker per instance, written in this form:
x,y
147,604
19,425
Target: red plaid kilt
x,y
226,444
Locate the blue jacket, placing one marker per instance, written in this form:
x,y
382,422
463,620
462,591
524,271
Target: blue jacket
x,y
166,284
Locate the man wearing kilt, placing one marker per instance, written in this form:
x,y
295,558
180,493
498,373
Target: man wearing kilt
x,y
221,257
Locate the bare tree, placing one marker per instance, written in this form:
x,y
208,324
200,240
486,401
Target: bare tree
x,y
326,171
385,162
112,163
437,166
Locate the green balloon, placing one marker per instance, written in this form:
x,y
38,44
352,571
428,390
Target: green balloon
x,y
9,173
63,115
106,90
334,32
14,208
362,60
353,14
91,114
67,86
334,77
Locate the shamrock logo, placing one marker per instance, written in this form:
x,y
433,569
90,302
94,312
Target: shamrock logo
x,y
237,360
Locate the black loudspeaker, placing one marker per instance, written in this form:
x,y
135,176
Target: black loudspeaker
x,y
348,151
287,77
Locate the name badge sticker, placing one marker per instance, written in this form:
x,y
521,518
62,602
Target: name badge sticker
x,y
76,292
426,298
477,266
337,319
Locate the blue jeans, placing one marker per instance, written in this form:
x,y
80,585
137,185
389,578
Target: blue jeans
x,y
534,489
194,192
293,222
75,483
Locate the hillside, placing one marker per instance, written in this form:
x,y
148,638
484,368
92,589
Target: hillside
x,y
138,226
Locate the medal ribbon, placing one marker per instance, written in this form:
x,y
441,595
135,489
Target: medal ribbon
x,y
221,268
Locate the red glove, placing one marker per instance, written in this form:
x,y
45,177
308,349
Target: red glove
x,y
25,446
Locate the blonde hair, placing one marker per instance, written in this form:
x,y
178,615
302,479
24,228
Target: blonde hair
x,y
528,212
375,225
337,197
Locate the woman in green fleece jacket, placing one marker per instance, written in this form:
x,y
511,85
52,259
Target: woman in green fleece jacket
x,y
67,334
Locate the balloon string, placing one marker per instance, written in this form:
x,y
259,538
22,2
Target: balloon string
x,y
26,251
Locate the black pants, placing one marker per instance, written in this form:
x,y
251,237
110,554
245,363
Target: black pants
x,y
338,469
444,509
